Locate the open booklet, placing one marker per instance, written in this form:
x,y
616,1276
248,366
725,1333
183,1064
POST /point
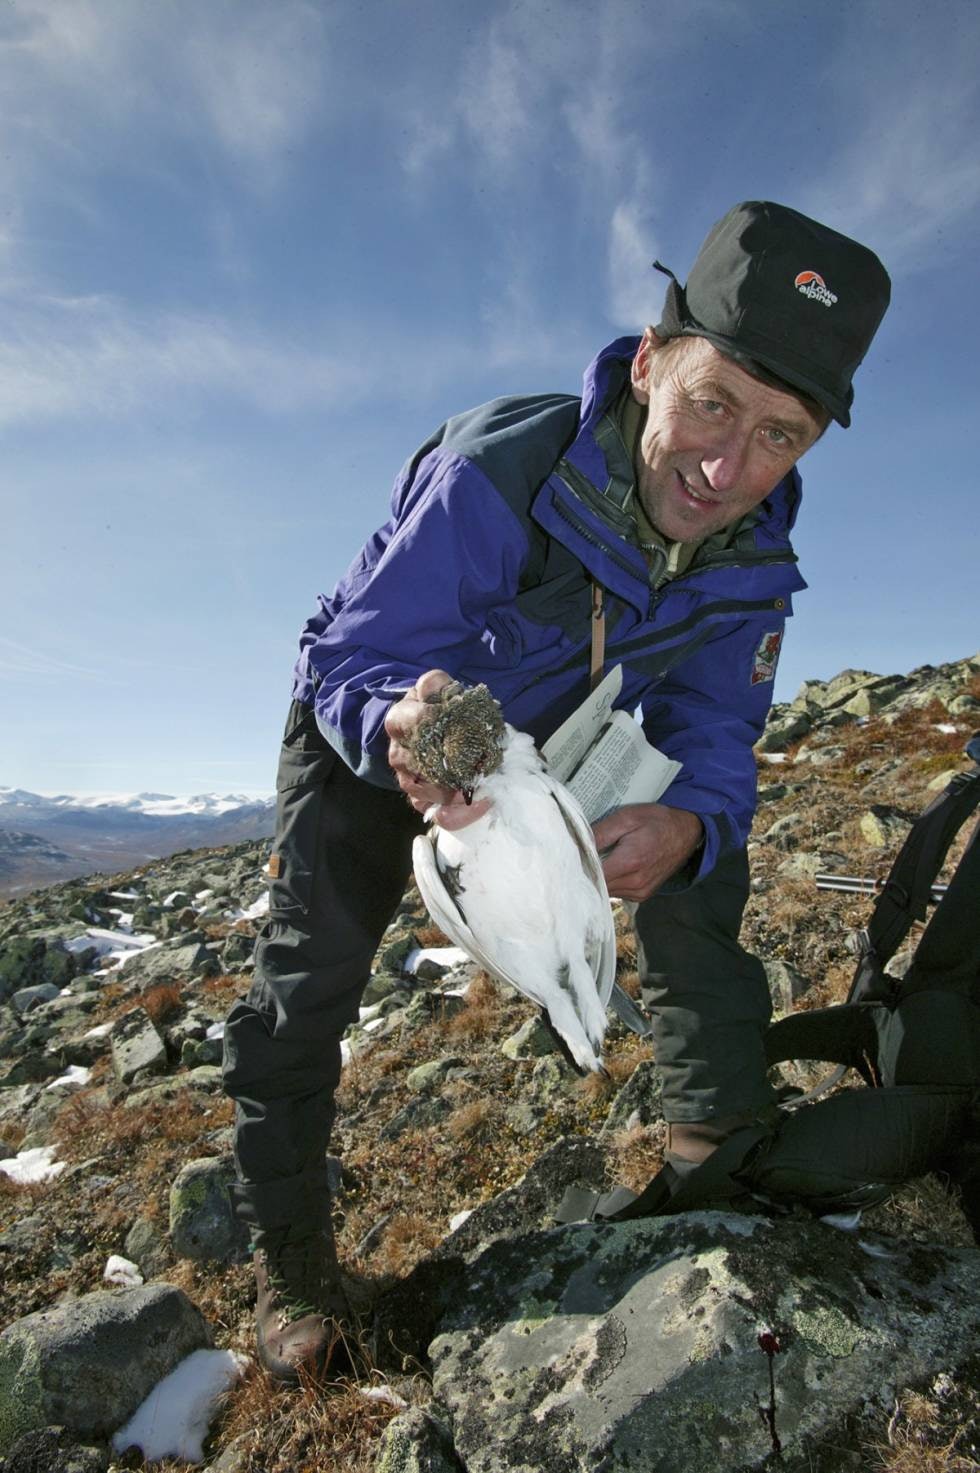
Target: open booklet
x,y
602,756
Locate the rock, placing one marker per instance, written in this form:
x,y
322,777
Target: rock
x,y
197,1051
169,962
871,699
780,733
137,1047
203,1225
820,756
636,1345
964,705
20,963
205,1076
381,985
784,831
639,1102
430,1076
407,1314
884,826
772,792
392,957
237,951
87,1363
531,1041
942,779
54,1450
417,1441
32,997
416,1115
146,1247
786,985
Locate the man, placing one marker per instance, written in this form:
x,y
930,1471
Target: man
x,y
671,487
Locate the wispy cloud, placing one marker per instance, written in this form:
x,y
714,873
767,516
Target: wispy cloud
x,y
908,178
81,77
64,358
31,662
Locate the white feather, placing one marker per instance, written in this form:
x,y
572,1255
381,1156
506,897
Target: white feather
x,y
521,890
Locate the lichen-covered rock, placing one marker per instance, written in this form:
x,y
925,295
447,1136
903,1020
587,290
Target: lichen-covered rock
x,y
639,1102
137,1048
169,962
635,1346
203,1225
53,1450
417,1441
885,826
86,1364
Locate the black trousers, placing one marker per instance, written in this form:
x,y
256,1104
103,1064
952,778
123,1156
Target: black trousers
x,y
343,850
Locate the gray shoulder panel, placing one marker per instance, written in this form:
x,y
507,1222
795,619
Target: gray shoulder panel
x,y
514,441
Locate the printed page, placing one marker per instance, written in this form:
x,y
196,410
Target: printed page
x,y
621,767
564,751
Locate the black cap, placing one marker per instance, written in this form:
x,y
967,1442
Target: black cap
x,y
773,287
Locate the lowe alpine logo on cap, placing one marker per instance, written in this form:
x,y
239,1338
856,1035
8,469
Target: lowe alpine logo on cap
x,y
812,285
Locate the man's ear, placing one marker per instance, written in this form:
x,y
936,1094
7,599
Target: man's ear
x,y
640,367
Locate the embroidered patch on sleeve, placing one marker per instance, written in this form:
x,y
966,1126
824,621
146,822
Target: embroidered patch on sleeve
x,y
766,657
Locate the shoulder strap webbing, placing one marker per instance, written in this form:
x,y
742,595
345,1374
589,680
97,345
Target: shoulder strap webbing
x,y
905,897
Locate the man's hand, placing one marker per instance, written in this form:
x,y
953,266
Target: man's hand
x,y
647,843
401,721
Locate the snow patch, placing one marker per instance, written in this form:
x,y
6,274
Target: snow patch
x,y
174,1419
74,1077
382,1393
34,1165
217,1030
120,1271
459,1218
443,956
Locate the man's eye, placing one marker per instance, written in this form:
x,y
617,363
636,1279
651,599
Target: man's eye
x,y
777,437
711,405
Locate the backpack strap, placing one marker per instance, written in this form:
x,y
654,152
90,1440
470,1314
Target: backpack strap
x,y
907,890
671,1190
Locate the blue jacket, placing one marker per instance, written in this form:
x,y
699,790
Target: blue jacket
x,y
498,525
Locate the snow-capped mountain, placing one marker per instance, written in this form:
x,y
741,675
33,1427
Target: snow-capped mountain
x,y
50,837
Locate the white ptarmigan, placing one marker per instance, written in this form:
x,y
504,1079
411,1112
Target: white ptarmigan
x,y
520,889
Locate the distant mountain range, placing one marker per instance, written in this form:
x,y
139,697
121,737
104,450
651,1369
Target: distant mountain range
x,y
44,839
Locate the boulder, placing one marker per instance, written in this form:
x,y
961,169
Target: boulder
x,y
884,826
28,998
137,1048
169,962
53,1450
203,1225
86,1364
642,1345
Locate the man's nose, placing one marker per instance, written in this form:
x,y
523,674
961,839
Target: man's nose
x,y
724,464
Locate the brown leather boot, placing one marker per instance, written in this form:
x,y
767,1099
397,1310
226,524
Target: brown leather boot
x,y
690,1142
302,1315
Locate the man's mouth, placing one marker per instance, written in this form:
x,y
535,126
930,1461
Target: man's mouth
x,y
698,496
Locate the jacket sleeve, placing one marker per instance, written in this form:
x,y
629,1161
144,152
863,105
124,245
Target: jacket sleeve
x,y
455,550
707,714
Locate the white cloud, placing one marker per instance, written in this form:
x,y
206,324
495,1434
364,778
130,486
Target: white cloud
x,y
82,79
908,179
65,358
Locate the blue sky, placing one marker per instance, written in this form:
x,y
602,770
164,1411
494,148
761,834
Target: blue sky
x,y
253,251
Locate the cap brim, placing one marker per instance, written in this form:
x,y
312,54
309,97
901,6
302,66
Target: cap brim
x,y
793,379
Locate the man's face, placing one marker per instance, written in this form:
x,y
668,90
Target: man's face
x,y
716,440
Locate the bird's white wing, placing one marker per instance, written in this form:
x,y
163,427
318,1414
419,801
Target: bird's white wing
x,y
446,913
581,831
